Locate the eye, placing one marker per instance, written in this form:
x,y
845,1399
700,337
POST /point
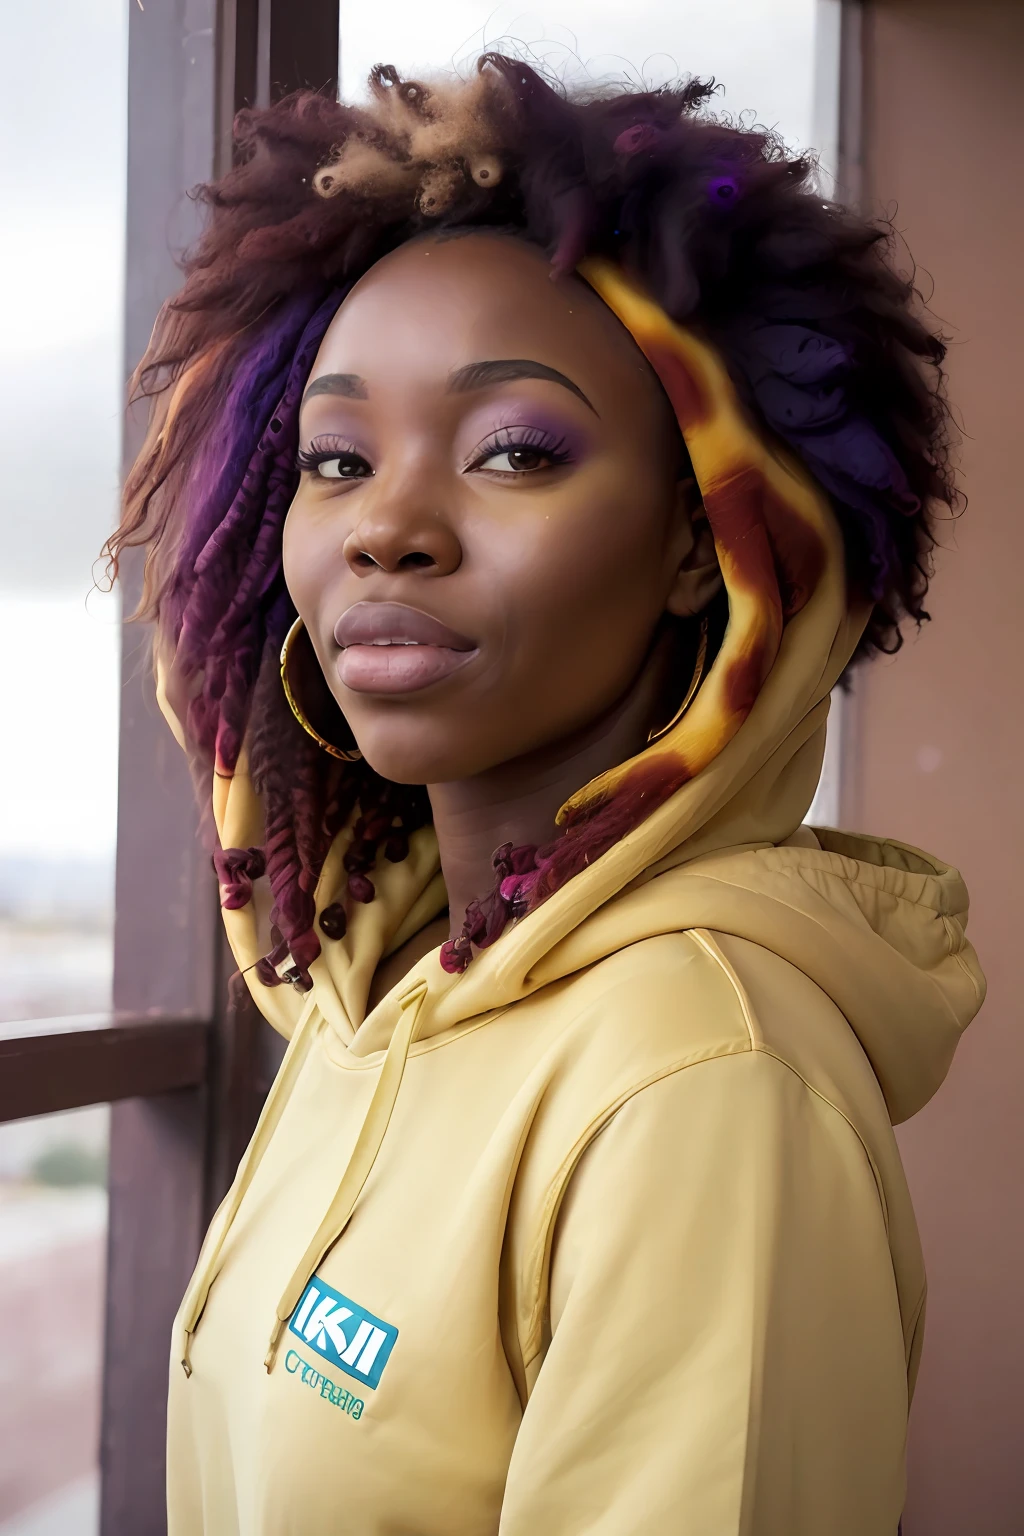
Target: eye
x,y
331,462
346,466
517,451
515,460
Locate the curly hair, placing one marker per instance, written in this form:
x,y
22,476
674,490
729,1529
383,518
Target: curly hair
x,y
825,340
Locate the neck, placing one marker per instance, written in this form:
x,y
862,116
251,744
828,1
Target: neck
x,y
517,802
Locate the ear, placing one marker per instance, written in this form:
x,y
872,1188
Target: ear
x,y
698,577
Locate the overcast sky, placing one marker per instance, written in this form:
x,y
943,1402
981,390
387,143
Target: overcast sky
x,y
761,50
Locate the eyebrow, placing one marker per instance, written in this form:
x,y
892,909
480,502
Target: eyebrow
x,y
460,382
504,370
349,385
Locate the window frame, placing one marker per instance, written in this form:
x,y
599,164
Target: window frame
x,y
184,1058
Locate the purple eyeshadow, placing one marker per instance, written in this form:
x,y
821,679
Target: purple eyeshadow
x,y
540,428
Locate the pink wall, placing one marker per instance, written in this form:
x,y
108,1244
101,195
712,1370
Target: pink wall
x,y
938,744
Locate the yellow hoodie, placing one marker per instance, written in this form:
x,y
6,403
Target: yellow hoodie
x,y
608,1234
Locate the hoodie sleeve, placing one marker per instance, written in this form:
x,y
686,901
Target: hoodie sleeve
x,y
726,1352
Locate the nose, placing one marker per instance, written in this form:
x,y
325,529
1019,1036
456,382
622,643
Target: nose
x,y
396,536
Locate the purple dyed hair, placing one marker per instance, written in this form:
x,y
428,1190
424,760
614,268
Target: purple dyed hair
x,y
825,341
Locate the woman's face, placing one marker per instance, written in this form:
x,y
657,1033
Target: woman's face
x,y
491,519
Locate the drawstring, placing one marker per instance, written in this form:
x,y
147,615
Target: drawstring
x,y
364,1154
208,1266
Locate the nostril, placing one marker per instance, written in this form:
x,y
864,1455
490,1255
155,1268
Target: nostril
x,y
416,560
364,561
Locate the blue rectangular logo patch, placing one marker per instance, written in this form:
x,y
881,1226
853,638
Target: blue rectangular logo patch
x,y
343,1332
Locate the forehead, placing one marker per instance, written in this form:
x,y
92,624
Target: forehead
x,y
433,306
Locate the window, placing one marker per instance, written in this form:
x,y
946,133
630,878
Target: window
x,y
764,54
128,1084
60,441
61,297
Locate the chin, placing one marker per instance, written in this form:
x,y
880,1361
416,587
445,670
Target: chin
x,y
408,754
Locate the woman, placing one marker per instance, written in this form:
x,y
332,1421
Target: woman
x,y
557,454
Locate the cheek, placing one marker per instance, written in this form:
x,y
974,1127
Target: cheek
x,y
581,582
295,560
604,549
310,551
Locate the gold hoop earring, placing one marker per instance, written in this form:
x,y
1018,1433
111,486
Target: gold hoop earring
x,y
345,754
694,684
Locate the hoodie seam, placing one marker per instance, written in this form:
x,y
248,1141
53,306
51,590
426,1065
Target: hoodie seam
x,y
567,1167
370,1063
957,954
553,1198
600,1122
758,1043
703,938
915,1320
766,1050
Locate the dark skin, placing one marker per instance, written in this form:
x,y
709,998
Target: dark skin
x,y
537,514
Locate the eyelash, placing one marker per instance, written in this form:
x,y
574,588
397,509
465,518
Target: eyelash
x,y
322,449
508,439
505,440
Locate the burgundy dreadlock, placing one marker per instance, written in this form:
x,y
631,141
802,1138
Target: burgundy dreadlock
x,y
723,228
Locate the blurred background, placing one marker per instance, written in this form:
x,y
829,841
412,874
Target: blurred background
x,y
63,123
109,111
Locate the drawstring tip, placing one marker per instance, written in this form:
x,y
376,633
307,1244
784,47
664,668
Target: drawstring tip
x,y
186,1359
275,1339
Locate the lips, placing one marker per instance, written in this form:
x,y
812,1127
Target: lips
x,y
389,648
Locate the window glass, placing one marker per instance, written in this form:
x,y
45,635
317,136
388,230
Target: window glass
x,y
764,54
53,1218
62,192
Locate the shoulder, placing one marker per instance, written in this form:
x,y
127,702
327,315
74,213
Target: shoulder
x,y
659,1009
650,1010
690,1095
658,1002
674,1001
687,1018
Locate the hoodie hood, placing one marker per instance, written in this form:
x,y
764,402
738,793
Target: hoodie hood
x,y
877,925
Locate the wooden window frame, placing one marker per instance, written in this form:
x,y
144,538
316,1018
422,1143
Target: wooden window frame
x,y
183,1059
